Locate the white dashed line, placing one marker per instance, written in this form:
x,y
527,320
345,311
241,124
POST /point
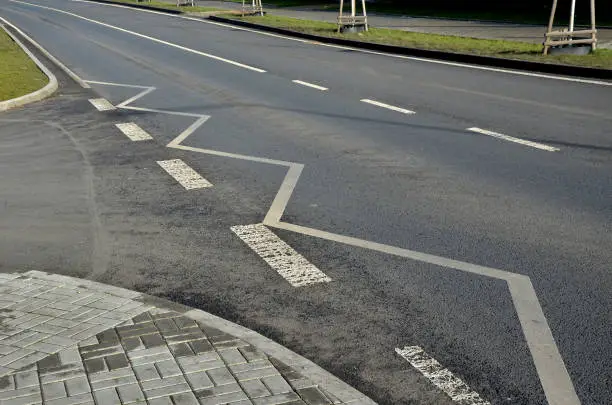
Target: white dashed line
x,y
441,377
515,140
314,86
281,257
101,104
185,175
134,132
387,106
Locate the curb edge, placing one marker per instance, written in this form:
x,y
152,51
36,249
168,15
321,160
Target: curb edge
x,y
566,70
329,382
37,95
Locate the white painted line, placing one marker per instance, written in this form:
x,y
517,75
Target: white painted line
x,y
515,140
53,59
389,55
314,86
160,41
134,132
387,106
281,257
101,104
185,175
441,377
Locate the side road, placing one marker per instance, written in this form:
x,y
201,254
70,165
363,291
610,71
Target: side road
x,y
74,205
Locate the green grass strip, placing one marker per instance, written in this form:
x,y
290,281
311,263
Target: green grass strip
x,y
19,75
485,47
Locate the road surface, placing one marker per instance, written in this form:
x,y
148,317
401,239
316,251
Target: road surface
x,y
463,210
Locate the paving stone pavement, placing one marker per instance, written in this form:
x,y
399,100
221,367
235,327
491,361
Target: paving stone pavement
x,y
67,341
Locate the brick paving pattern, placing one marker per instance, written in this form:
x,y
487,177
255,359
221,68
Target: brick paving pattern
x,y
64,342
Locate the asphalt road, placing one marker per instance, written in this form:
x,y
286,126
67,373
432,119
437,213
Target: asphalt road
x,y
414,181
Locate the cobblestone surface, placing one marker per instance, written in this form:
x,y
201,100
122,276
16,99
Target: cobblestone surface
x,y
67,341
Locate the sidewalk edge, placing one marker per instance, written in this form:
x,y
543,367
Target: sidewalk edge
x,y
327,381
37,95
565,70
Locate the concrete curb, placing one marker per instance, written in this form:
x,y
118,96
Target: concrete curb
x,y
141,6
565,70
37,95
330,383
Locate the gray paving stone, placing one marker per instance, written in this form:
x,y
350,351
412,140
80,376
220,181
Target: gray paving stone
x,y
224,399
32,399
27,360
108,375
147,372
7,383
203,366
113,382
6,349
186,398
26,379
276,399
45,347
166,391
220,390
168,368
232,356
10,394
313,396
108,396
130,393
161,383
259,373
152,340
221,376
76,386
70,355
252,354
199,380
54,390
255,389
181,349
116,361
75,400
255,365
160,401
277,384
95,365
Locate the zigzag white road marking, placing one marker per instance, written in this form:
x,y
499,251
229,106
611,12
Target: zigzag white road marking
x,y
555,379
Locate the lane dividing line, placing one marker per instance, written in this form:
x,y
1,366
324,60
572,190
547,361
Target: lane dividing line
x,y
159,41
314,86
185,175
101,104
441,377
388,55
387,106
554,377
134,132
291,265
508,138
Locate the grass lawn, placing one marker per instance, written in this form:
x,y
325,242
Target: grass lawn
x,y
503,49
18,74
170,6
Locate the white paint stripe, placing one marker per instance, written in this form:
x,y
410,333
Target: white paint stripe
x,y
101,104
185,175
515,140
134,132
314,86
53,59
441,377
387,106
160,41
281,257
389,55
